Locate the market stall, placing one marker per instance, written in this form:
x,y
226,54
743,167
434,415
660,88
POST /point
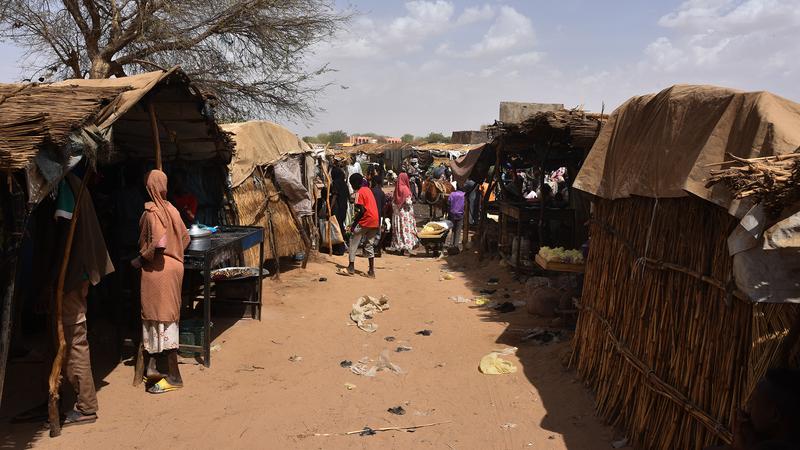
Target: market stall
x,y
527,171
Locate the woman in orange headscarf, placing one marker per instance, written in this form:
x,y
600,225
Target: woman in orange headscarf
x,y
162,240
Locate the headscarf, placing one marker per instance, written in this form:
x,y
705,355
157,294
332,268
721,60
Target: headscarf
x,y
357,181
402,190
338,184
167,220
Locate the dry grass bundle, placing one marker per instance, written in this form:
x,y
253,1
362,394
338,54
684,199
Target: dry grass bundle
x,y
670,355
573,127
20,140
259,203
31,114
771,181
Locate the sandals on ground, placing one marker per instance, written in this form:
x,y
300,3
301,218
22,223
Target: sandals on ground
x,y
74,417
162,387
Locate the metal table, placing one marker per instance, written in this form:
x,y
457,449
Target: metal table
x,y
228,241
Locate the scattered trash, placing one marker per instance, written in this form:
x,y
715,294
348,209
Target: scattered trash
x,y
508,425
322,279
343,271
363,368
403,348
365,308
446,277
371,431
397,410
424,332
480,301
249,369
275,342
459,299
492,364
349,386
620,443
542,336
216,348
505,307
389,338
487,291
439,365
367,431
493,281
295,358
346,363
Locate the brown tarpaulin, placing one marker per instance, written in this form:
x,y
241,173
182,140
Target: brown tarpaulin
x,y
260,143
660,145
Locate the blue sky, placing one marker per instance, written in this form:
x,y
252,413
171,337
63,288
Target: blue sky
x,y
444,65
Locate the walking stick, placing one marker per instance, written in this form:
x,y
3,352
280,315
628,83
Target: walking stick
x,y
55,372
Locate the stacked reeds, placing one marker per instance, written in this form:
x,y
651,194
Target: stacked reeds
x,y
32,114
259,203
669,350
771,181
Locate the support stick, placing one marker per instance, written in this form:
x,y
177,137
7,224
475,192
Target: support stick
x,y
154,127
55,372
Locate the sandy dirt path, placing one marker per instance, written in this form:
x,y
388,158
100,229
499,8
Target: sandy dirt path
x,y
281,404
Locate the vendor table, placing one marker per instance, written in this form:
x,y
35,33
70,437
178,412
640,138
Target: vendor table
x,y
525,213
227,242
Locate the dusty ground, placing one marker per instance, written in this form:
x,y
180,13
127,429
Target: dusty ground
x,y
281,404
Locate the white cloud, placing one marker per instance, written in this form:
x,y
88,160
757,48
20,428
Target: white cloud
x,y
524,59
475,14
511,30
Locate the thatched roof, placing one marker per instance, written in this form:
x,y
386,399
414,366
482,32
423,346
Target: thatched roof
x,y
33,115
568,127
379,149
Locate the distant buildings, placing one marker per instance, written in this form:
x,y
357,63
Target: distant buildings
x,y
358,140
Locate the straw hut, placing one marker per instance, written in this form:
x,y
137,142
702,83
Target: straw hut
x,y
152,119
272,179
688,291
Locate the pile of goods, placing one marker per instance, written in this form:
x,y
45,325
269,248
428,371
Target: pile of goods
x,y
435,229
560,255
233,273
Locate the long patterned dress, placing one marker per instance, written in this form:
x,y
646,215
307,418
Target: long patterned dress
x,y
404,227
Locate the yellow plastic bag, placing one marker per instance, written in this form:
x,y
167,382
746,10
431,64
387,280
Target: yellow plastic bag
x,y
492,364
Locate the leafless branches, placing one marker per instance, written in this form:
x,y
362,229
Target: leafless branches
x,y
249,54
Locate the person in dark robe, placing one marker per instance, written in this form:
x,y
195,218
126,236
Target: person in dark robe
x,y
340,197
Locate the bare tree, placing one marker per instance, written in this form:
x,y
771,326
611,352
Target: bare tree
x,y
250,54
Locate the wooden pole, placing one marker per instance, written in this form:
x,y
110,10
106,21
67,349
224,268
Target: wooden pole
x,y
55,371
465,232
328,205
154,128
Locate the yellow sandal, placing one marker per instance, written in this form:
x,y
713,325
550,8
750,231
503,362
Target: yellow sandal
x,y
162,387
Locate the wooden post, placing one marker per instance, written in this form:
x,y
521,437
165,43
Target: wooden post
x,y
154,128
465,231
486,196
330,213
55,372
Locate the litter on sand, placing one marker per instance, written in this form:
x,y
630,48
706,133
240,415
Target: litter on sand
x,y
424,332
620,443
505,307
459,299
403,348
446,277
364,310
397,410
295,358
508,425
542,336
493,364
346,363
481,300
363,367
367,431
487,291
389,339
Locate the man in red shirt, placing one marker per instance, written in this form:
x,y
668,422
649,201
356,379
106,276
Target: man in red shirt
x,y
366,224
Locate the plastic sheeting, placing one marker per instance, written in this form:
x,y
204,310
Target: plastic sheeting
x,y
289,176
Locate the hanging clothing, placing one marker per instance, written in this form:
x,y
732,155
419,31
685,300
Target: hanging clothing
x,y
162,242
